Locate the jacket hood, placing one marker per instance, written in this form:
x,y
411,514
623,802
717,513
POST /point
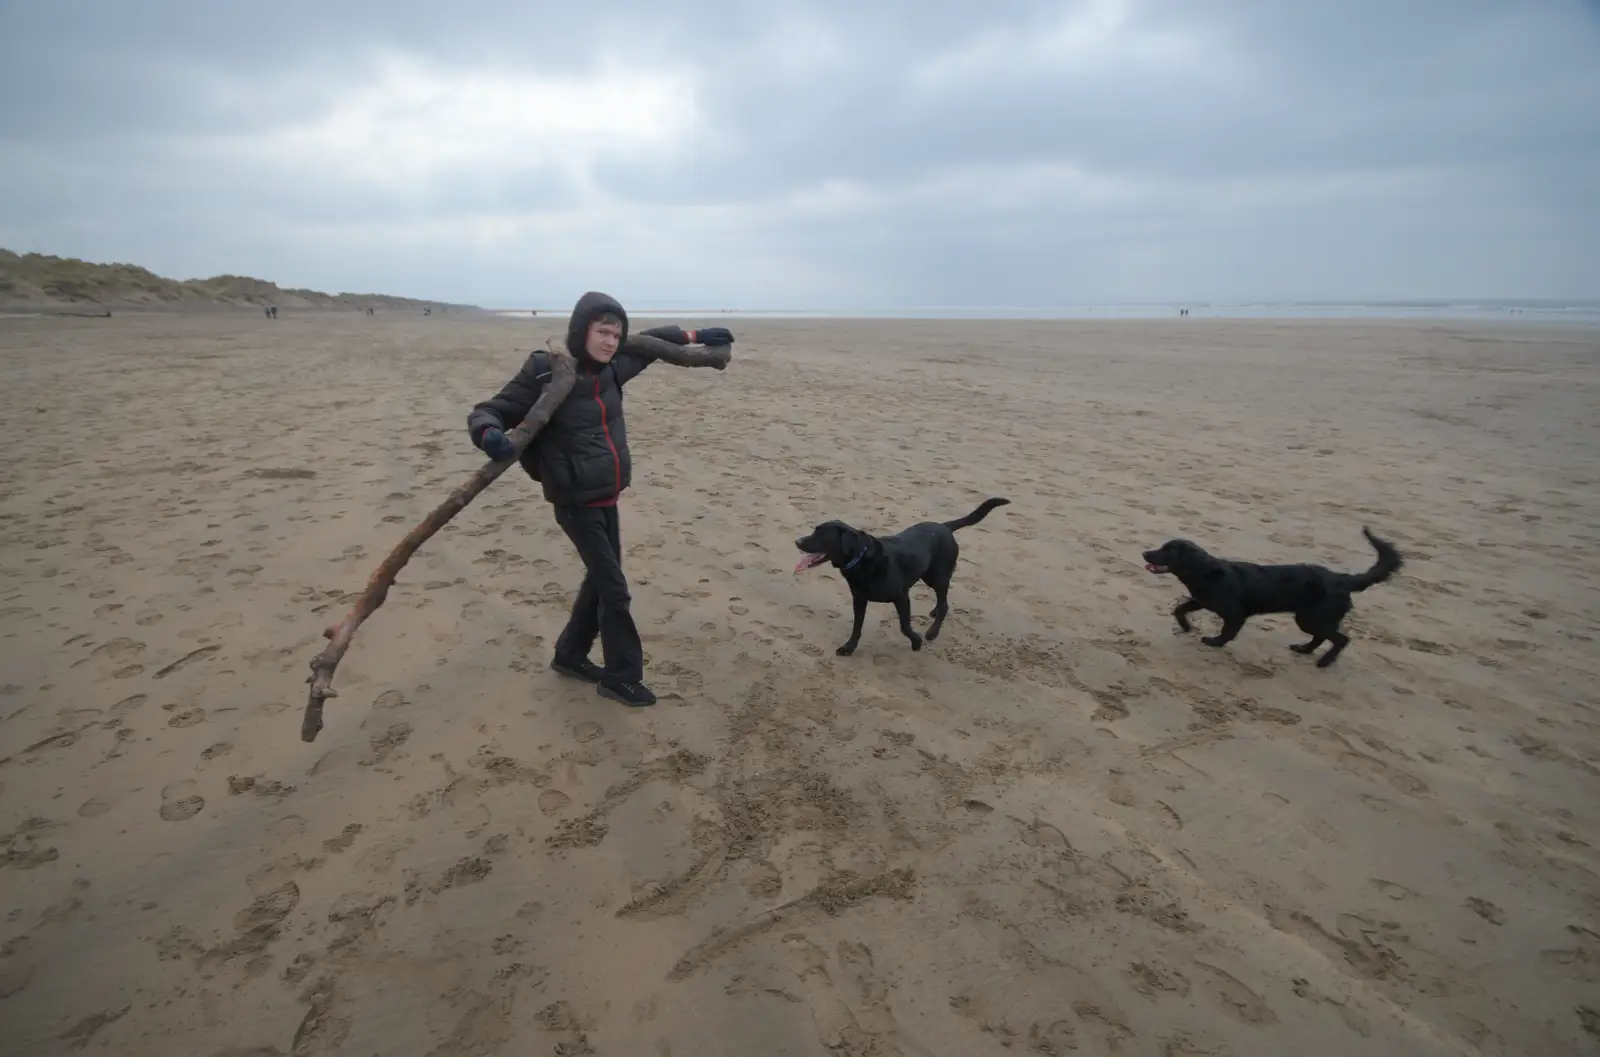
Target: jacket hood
x,y
590,305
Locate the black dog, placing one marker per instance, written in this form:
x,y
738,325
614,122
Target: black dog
x,y
1318,597
884,570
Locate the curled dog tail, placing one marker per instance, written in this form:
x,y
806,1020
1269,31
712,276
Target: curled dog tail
x,y
1388,563
977,515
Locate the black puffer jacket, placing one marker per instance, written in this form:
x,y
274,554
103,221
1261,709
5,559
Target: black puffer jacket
x,y
581,457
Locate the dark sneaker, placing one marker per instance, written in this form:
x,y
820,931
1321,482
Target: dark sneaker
x,y
583,668
634,695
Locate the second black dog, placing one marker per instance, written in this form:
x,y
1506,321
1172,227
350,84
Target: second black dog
x,y
885,569
1318,597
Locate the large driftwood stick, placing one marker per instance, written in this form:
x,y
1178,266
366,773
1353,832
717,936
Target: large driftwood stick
x,y
680,355
563,372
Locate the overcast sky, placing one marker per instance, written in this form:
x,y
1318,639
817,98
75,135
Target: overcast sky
x,y
864,153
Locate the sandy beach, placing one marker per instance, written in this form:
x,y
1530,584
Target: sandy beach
x,y
1062,828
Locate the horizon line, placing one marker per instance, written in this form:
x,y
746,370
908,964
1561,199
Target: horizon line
x,y
1343,302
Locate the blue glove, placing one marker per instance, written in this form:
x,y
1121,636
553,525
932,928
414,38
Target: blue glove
x,y
496,444
714,336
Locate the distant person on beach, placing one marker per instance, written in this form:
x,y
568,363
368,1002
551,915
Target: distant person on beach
x,y
582,461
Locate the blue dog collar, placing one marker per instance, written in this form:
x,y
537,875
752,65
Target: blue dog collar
x,y
856,560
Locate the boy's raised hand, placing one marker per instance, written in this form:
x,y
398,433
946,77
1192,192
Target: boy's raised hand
x,y
714,336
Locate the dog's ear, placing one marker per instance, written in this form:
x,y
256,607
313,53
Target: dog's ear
x,y
1197,562
850,542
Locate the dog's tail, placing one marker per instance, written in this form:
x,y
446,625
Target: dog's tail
x,y
977,515
1388,563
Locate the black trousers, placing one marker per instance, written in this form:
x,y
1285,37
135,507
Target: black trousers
x,y
602,604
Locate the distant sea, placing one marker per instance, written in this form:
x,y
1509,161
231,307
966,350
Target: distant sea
x,y
1576,312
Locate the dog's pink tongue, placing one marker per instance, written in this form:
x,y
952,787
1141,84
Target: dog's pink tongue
x,y
808,561
1151,568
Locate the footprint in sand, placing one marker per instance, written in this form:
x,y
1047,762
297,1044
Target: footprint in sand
x,y
129,705
390,699
267,910
95,806
1152,978
121,649
188,718
286,828
553,801
1117,790
587,731
343,841
1235,999
128,672
1394,891
386,744
181,801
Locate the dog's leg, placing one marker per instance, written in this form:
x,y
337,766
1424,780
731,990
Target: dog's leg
x,y
1232,624
902,606
1332,616
1340,641
1181,614
1311,625
941,608
860,604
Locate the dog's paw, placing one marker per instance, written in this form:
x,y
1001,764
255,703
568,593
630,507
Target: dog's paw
x,y
846,650
1302,648
1213,640
916,644
1326,659
1182,629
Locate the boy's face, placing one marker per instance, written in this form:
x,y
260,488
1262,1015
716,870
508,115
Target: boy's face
x,y
603,341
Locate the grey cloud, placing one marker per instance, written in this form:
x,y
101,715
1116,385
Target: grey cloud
x,y
905,153
1289,109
